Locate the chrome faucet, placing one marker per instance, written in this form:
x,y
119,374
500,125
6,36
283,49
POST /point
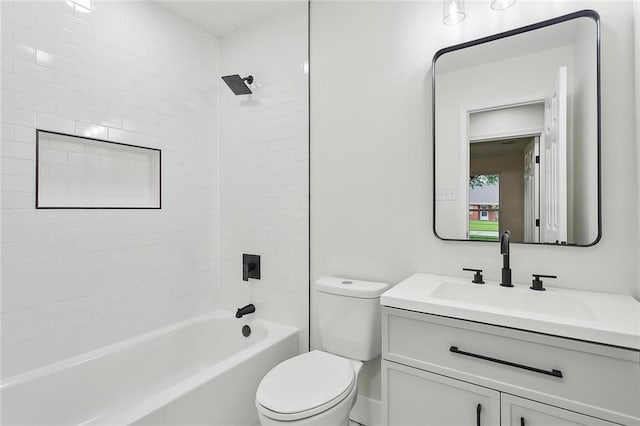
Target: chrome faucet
x,y
504,251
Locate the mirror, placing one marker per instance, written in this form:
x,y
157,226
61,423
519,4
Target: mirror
x,y
517,134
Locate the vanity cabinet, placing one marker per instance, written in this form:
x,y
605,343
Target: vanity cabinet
x,y
418,397
436,370
523,412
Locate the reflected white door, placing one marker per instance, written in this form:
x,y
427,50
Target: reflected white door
x,y
553,166
531,192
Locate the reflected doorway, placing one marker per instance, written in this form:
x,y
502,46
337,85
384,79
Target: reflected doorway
x,y
504,189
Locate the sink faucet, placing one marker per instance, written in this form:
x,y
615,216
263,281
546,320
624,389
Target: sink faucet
x,y
249,309
504,251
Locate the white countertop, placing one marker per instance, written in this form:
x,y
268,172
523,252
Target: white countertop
x,y
611,319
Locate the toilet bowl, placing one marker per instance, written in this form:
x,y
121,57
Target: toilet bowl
x,y
321,387
315,388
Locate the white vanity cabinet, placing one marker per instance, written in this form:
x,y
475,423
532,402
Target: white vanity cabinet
x,y
517,411
417,397
436,370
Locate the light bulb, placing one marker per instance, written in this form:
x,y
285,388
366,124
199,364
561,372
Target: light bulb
x,y
453,11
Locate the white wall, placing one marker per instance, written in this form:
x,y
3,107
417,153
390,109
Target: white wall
x,y
636,25
264,183
371,161
505,121
74,171
74,280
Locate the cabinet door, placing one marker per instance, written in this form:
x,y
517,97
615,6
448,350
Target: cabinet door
x,y
524,412
416,397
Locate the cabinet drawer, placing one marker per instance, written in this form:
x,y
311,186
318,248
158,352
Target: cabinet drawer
x,y
580,376
517,411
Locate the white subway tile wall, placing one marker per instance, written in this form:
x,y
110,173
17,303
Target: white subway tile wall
x,y
263,143
74,280
79,172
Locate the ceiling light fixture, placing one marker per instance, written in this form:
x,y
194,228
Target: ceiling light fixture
x,y
501,4
453,11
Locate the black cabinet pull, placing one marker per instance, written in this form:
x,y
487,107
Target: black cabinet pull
x,y
521,421
554,372
478,410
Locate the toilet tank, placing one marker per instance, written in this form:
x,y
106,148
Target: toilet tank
x,y
349,317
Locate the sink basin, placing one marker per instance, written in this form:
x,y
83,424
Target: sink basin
x,y
514,299
610,319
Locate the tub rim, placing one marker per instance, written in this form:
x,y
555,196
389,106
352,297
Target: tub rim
x,y
103,351
159,399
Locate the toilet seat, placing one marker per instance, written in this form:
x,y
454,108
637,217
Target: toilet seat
x,y
305,385
303,414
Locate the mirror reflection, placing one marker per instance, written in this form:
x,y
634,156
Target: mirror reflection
x,y
516,135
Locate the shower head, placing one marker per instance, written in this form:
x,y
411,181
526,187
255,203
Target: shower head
x,y
237,84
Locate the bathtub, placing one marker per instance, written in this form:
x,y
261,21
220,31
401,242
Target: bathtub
x,y
200,371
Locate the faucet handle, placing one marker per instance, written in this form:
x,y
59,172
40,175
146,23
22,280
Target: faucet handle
x,y
477,277
250,266
536,283
246,268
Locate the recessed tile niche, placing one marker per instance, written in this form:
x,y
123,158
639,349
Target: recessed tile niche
x,y
77,172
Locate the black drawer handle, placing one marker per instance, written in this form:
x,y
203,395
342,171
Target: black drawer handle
x,y
478,410
554,372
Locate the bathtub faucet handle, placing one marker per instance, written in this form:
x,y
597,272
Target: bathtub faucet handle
x,y
249,309
250,266
246,268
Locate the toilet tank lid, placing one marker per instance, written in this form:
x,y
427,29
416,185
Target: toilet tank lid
x,y
351,288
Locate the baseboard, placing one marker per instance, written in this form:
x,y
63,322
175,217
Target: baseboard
x,y
367,411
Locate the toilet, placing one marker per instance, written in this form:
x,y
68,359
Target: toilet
x,y
320,387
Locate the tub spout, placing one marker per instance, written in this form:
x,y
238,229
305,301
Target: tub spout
x,y
249,309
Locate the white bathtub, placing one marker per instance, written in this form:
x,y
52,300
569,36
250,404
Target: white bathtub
x,y
200,371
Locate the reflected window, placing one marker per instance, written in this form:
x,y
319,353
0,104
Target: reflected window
x,y
484,207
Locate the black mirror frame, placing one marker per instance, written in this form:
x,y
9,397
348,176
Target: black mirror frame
x,y
586,13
